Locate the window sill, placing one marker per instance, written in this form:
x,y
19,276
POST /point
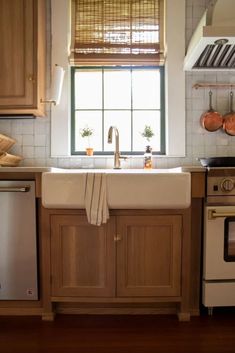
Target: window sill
x,y
108,156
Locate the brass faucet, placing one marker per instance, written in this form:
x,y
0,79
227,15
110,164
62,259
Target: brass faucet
x,y
117,156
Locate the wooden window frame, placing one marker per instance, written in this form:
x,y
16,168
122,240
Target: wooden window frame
x,y
162,112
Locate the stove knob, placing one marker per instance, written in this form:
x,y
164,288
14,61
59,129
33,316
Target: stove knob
x,y
227,185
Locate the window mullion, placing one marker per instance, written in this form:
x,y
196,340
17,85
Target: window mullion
x,y
143,115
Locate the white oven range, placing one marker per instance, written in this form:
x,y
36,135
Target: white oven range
x,y
218,283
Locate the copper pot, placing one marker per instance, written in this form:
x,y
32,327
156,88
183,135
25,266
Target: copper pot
x,y
229,119
211,120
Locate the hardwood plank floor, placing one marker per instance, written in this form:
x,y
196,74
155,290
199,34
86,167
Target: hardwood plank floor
x,y
118,334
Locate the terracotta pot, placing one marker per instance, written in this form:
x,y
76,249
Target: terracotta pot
x,y
211,120
229,119
89,151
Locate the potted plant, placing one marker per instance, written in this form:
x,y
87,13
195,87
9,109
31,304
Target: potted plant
x,y
87,132
148,134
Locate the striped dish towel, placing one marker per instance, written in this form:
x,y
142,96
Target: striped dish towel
x,y
96,198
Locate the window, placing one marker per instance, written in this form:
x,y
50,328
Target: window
x,y
173,72
121,34
128,98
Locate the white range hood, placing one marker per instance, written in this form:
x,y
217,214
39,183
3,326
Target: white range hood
x,y
212,46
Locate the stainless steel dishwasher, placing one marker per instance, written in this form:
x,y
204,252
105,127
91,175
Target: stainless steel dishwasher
x,y
18,241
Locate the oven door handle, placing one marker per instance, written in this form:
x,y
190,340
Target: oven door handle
x,y
212,214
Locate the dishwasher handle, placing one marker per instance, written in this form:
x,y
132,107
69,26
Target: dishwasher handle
x,y
14,188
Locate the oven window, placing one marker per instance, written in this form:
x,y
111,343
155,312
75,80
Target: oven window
x,y
229,239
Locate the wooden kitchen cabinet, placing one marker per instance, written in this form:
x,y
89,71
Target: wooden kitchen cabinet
x,y
82,257
140,257
22,57
138,260
149,256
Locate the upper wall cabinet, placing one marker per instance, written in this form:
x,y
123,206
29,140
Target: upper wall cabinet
x,y
22,57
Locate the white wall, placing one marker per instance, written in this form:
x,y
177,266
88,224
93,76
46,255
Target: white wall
x,y
33,136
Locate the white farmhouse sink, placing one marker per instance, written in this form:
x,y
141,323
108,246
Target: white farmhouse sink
x,y
126,188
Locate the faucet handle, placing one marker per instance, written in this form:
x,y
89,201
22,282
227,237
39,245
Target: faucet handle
x,y
123,157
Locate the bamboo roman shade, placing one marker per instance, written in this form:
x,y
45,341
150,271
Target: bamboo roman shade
x,y
116,32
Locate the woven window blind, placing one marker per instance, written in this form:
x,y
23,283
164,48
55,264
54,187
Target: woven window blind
x,y
117,32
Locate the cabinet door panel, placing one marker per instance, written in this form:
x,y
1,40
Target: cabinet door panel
x,y
16,53
149,256
82,257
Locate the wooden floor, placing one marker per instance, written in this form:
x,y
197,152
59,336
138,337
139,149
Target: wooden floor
x,y
118,334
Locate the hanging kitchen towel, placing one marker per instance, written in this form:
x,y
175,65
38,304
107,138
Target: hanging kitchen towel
x,y
96,198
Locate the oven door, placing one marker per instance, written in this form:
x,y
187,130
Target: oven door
x,y
219,243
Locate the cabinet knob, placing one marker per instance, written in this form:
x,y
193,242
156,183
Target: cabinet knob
x,y
117,237
31,79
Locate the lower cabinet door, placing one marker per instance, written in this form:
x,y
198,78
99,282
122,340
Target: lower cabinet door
x,y
149,256
82,257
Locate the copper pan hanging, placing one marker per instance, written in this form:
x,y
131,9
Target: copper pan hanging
x,y
229,119
211,120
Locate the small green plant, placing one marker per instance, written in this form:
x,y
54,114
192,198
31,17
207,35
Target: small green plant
x,y
147,133
86,132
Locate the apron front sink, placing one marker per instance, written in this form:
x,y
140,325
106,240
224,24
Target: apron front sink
x,y
126,189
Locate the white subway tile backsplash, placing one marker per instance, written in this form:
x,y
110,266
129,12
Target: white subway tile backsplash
x,y
231,141
210,139
40,140
199,104
16,128
5,127
197,140
75,163
210,76
64,163
33,136
16,149
41,162
40,126
100,163
138,162
210,151
29,162
28,152
197,128
40,152
198,94
109,163
126,164
48,151
52,162
189,14
87,163
222,105
27,127
28,140
196,116
222,140
222,151
19,139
